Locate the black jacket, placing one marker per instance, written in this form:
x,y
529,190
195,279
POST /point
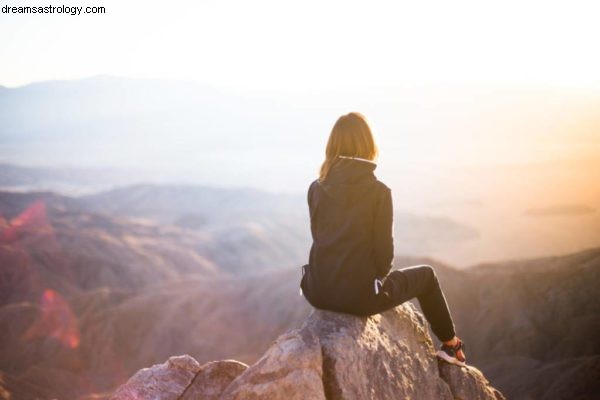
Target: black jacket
x,y
351,224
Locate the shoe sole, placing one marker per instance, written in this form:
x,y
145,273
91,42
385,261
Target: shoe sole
x,y
442,354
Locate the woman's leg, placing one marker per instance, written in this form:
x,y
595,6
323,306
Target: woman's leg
x,y
421,282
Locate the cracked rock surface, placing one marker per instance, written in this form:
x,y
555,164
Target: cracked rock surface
x,y
331,356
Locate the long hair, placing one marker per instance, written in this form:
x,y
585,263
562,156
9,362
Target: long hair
x,y
351,136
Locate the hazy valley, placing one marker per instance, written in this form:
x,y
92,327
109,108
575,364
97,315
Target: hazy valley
x,y
96,287
144,218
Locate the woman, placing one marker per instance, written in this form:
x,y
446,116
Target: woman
x,y
351,256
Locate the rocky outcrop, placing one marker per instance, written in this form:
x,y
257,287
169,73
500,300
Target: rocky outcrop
x,y
332,356
467,383
212,379
164,381
181,377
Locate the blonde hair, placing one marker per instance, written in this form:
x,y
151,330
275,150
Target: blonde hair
x,y
351,136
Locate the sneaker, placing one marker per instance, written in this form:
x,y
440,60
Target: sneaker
x,y
449,353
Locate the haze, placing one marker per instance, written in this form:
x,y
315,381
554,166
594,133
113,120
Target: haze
x,y
483,114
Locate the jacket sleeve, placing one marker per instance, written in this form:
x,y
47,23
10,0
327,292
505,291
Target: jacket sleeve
x,y
383,234
311,208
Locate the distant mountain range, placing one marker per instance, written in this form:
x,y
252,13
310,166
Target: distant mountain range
x,y
170,128
275,141
69,180
459,157
258,229
94,288
532,325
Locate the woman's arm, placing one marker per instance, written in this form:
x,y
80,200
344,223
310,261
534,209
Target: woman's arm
x,y
383,235
311,208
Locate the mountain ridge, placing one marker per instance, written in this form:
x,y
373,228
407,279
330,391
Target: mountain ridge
x,y
331,356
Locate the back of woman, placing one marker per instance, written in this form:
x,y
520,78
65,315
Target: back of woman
x,y
351,223
351,256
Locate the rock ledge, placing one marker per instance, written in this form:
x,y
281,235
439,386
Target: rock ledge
x,y
332,356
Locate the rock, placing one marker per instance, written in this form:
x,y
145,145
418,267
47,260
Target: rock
x,y
331,356
468,383
180,378
212,379
386,356
165,381
291,369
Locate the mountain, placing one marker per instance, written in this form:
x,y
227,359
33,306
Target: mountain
x,y
447,221
88,297
49,240
275,140
532,325
68,180
258,230
74,281
463,156
179,128
331,356
232,228
245,215
122,331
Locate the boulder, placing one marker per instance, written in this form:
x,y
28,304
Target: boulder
x,y
331,356
165,381
180,378
212,379
467,383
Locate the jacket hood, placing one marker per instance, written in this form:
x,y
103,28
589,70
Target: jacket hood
x,y
349,179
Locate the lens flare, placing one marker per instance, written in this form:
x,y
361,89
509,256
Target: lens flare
x,y
31,220
56,320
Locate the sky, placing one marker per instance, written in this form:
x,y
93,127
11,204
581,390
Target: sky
x,y
307,45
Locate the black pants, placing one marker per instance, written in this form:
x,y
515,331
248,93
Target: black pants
x,y
421,282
